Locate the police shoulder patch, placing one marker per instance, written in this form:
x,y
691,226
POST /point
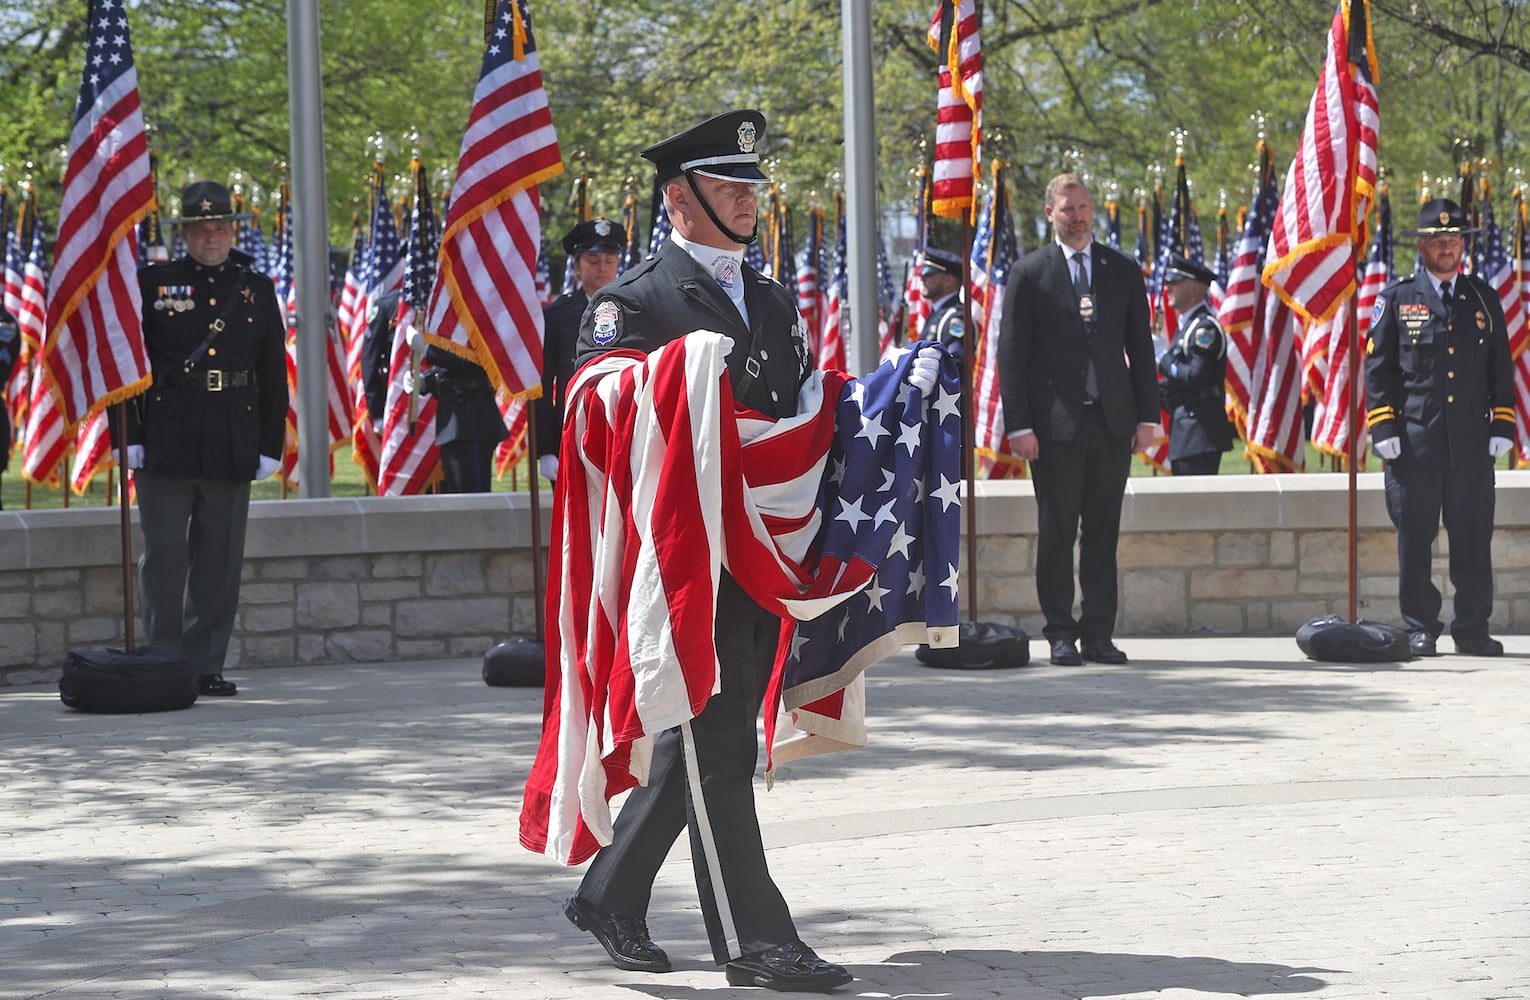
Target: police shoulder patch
x,y
1381,307
606,321
1204,337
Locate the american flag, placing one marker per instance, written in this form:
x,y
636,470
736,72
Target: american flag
x,y
570,276
1239,304
410,461
253,242
1274,435
917,310
1492,263
754,256
15,260
954,35
542,284
836,300
1330,426
995,249
92,452
1223,263
844,519
659,235
350,292
811,283
39,423
1520,242
1319,229
380,272
485,304
887,303
31,306
93,354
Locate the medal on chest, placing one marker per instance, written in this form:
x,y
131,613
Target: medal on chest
x,y
1413,316
173,298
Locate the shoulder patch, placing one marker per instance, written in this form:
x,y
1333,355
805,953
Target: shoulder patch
x,y
606,322
1381,307
1204,337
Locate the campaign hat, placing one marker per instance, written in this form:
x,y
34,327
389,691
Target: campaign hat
x,y
725,146
206,201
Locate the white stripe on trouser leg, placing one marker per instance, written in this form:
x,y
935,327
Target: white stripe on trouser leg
x,y
709,842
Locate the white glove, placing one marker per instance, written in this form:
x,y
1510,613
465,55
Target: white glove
x,y
548,466
1499,447
925,369
1388,449
725,345
407,380
414,338
134,457
267,466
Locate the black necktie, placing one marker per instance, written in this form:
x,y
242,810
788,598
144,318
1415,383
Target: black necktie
x,y
1445,293
1081,289
1080,276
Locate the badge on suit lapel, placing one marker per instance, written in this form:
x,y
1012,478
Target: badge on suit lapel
x,y
1086,307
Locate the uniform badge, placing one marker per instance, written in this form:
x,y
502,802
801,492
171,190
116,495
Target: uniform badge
x,y
1086,306
956,329
606,322
602,227
747,134
1204,338
1370,345
1381,307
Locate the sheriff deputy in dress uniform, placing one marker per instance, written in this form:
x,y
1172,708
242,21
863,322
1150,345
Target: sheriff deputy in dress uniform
x,y
941,277
594,246
699,280
1194,370
1439,383
212,420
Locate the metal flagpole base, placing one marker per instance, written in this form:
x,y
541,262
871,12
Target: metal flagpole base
x,y
1335,639
981,646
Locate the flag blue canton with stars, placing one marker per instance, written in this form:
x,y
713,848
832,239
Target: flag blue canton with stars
x,y
891,499
108,53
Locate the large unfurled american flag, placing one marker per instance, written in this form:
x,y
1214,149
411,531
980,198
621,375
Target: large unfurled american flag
x,y
1319,230
93,353
1244,291
1491,262
836,300
954,34
843,519
1520,254
995,249
410,460
485,305
811,282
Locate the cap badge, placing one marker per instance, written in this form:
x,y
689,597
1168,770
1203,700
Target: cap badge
x,y
205,205
602,227
746,137
1444,218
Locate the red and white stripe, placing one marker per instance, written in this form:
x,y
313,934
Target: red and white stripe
x,y
1274,422
92,452
410,461
959,111
1321,219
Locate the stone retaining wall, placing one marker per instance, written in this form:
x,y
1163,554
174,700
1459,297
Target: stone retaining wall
x,y
376,579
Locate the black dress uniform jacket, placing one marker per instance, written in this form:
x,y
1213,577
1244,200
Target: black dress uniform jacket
x,y
560,342
465,405
1194,387
668,295
1441,383
945,323
215,421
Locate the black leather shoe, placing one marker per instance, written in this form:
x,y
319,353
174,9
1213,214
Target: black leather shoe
x,y
1103,651
1478,645
788,968
625,939
1065,653
214,684
1422,644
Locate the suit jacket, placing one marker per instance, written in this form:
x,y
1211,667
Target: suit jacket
x,y
1442,382
1045,346
560,339
668,295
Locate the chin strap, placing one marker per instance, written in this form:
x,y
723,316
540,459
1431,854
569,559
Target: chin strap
x,y
706,207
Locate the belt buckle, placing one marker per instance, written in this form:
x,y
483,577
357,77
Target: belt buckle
x,y
752,367
214,380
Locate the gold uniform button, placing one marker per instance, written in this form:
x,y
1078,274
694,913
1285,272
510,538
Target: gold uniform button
x,y
1450,350
212,302
1450,374
212,352
1450,399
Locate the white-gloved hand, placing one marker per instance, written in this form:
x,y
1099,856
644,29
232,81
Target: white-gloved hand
x,y
267,466
1388,449
134,457
406,381
725,345
548,466
925,369
1498,447
415,338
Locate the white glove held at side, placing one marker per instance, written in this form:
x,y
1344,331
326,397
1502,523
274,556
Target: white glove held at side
x,y
1499,446
925,369
548,466
134,456
267,466
1388,449
406,381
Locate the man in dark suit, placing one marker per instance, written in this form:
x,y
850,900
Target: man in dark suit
x,y
941,278
213,420
1194,370
594,245
702,774
1080,395
1439,381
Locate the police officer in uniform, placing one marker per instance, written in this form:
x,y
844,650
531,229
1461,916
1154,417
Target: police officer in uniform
x,y
1440,387
594,246
941,277
469,425
699,280
1194,370
212,421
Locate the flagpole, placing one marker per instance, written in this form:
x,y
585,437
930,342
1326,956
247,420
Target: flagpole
x,y
969,411
127,532
1350,399
537,562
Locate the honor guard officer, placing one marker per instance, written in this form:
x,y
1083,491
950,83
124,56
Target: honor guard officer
x,y
699,280
594,246
941,276
1439,383
1194,370
213,420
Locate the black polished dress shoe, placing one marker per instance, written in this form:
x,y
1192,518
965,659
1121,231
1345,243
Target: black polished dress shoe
x,y
1478,645
788,968
625,939
1422,644
214,684
1065,653
1103,651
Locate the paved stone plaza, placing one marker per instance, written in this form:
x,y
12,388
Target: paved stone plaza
x,y
1219,818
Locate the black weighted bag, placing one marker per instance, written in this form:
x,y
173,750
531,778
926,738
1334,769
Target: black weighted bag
x,y
148,679
983,646
515,663
1334,638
